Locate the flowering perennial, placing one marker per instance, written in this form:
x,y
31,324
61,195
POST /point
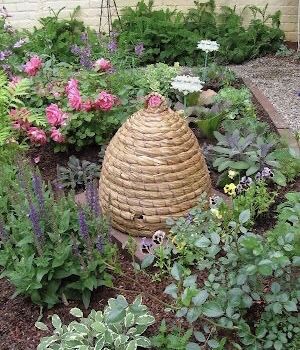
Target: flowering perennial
x,y
208,46
187,84
33,66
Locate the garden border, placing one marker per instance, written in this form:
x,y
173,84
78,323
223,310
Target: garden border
x,y
281,127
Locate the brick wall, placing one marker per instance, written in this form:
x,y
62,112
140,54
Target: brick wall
x,y
25,13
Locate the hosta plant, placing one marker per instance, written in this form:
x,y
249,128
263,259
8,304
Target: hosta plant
x,y
119,327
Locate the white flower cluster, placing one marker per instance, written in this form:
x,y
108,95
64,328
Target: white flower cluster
x,y
208,45
186,84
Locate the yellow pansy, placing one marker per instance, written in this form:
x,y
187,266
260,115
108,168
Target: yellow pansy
x,y
230,189
232,174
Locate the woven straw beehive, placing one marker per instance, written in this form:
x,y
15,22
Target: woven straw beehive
x,y
153,169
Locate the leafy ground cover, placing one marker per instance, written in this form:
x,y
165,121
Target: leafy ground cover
x,y
226,276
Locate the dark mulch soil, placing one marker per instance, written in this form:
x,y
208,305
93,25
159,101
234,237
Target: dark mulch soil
x,y
18,315
48,160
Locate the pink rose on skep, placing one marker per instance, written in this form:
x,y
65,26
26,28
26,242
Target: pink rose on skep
x,y
105,101
55,115
103,64
57,136
33,66
154,101
73,93
37,136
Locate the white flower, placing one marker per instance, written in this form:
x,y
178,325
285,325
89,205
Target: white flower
x,y
208,45
186,84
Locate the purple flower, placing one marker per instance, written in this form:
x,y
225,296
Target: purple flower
x,y
266,173
100,244
37,185
189,218
35,221
146,245
19,43
112,46
139,49
114,34
75,49
92,198
2,56
84,37
83,227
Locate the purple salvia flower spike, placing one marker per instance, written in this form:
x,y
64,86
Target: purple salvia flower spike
x,y
37,185
83,227
35,221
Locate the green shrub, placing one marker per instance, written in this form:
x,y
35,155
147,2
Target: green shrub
x,y
172,36
120,327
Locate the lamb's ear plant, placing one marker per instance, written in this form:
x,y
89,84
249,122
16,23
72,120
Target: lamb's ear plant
x,y
119,327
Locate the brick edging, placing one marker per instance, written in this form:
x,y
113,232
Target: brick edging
x,y
280,125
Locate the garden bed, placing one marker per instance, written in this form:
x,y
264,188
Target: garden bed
x,y
18,315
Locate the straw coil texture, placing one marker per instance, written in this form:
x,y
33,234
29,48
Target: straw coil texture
x,y
153,169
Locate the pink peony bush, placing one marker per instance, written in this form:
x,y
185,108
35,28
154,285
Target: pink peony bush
x,y
57,136
55,116
37,136
73,94
33,66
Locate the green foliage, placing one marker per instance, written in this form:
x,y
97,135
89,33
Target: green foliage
x,y
119,327
77,173
50,249
172,36
237,101
286,234
55,36
247,155
155,77
289,165
238,265
218,76
10,98
257,198
174,339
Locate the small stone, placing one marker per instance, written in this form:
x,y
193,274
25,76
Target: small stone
x,y
206,98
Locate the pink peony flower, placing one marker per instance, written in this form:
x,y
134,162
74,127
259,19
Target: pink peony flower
x,y
154,101
33,66
37,136
103,64
87,106
74,97
57,136
55,115
105,101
